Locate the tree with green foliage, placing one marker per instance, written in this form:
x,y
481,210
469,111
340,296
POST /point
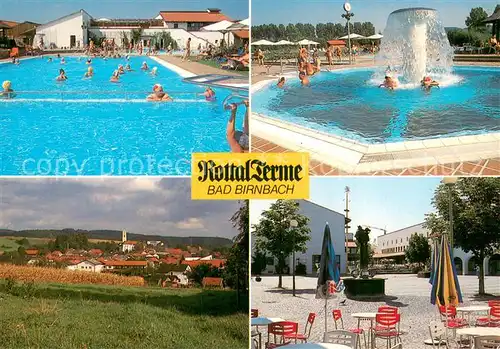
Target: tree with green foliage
x,y
476,216
419,250
274,235
236,268
21,250
362,240
259,261
475,19
203,270
23,242
136,35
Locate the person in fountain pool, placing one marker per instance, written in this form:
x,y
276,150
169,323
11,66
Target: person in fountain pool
x,y
389,83
427,83
7,91
304,80
159,95
238,141
115,77
62,75
89,73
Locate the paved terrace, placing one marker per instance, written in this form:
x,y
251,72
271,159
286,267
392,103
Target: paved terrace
x,y
409,293
461,156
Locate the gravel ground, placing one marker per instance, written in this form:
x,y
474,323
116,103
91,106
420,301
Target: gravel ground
x,y
409,293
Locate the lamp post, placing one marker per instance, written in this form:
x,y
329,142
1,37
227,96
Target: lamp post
x,y
293,224
450,182
347,15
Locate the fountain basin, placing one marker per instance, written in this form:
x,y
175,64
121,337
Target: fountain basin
x,y
364,288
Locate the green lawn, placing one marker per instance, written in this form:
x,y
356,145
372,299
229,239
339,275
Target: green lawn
x,y
102,317
214,64
8,244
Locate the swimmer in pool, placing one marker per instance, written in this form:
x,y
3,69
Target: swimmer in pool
x,y
17,61
62,75
389,83
159,95
128,68
49,60
154,71
304,80
238,141
310,69
144,66
58,55
7,91
115,77
89,73
63,61
121,70
89,61
209,94
427,83
281,82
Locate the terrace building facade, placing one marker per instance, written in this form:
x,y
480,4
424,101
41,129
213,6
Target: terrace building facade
x,y
75,30
393,245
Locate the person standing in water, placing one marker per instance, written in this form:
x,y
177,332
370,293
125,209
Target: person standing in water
x,y
7,91
304,80
281,82
238,141
187,54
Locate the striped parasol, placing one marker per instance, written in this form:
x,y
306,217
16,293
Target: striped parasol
x,y
445,288
434,258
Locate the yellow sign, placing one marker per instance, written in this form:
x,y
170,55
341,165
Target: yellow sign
x,y
230,176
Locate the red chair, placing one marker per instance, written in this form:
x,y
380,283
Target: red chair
x,y
494,303
387,327
307,330
279,330
337,315
385,309
255,313
449,317
493,320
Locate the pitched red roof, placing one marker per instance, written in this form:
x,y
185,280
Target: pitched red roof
x,y
10,24
170,260
193,16
130,242
174,251
214,262
125,263
242,34
211,281
336,42
31,251
96,251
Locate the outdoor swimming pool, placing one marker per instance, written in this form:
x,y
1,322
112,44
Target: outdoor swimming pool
x,y
348,103
94,127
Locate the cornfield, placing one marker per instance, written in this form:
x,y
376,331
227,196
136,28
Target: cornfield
x,y
40,274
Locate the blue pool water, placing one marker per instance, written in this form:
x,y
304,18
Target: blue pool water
x,y
94,127
348,103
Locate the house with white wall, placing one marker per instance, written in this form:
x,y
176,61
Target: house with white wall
x,y
318,217
69,31
88,265
128,246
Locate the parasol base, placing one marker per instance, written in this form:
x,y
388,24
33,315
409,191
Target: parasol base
x,y
434,342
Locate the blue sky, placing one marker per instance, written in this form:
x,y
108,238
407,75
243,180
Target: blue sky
x,y
453,12
42,11
391,203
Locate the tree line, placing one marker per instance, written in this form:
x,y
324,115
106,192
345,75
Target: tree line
x,y
321,32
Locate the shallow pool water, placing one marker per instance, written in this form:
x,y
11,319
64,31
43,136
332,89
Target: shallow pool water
x,y
94,127
347,103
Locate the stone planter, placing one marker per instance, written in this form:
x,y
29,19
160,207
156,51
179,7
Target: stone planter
x,y
364,288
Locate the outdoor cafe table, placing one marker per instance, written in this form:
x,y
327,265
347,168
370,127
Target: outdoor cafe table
x,y
264,321
317,346
473,309
366,316
478,331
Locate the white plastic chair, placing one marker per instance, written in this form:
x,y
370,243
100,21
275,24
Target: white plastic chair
x,y
398,346
438,334
340,337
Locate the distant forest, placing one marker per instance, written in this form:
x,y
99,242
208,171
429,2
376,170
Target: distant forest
x,y
171,241
321,32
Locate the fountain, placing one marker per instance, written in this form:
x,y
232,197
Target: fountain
x,y
415,44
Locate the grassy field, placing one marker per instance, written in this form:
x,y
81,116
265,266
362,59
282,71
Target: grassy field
x,y
102,317
8,244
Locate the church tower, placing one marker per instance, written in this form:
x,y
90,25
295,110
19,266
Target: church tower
x,y
124,236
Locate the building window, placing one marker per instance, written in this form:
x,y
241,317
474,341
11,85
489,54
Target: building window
x,y
176,26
